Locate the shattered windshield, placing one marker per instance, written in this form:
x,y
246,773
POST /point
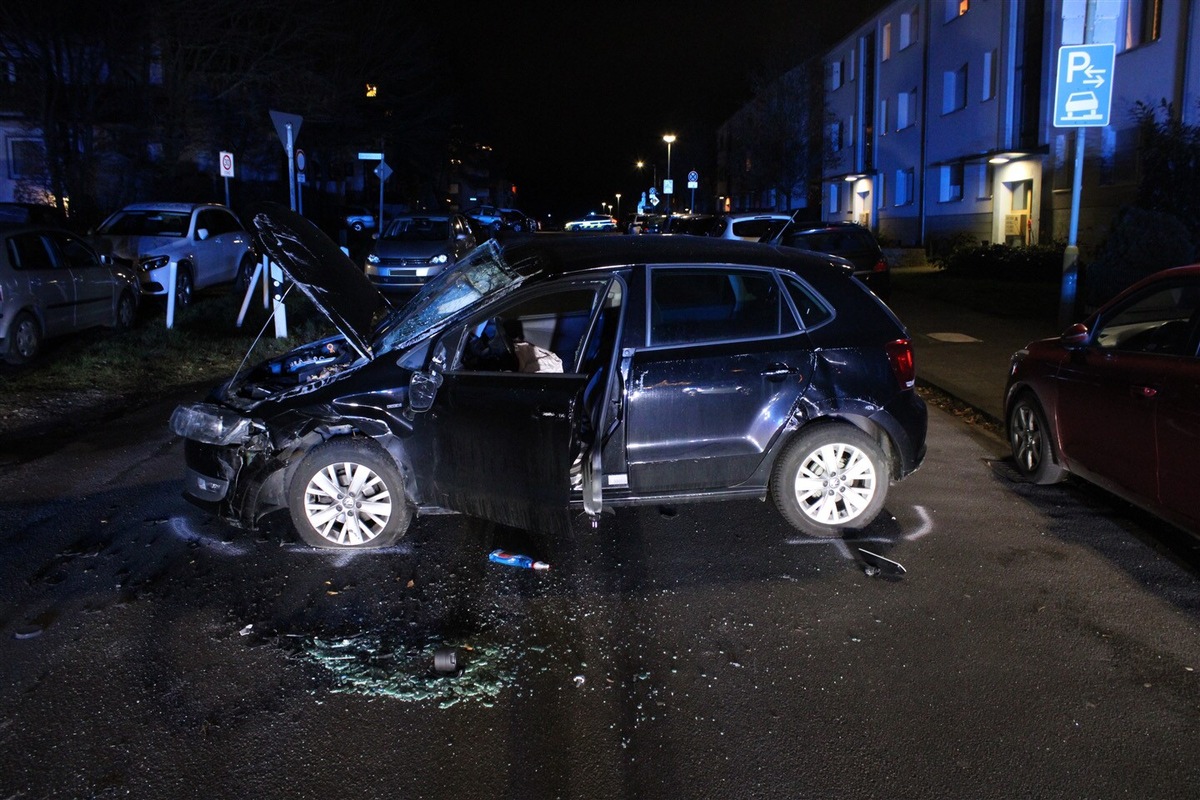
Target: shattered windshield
x,y
483,272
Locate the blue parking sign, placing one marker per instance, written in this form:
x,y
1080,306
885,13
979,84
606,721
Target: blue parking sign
x,y
1083,87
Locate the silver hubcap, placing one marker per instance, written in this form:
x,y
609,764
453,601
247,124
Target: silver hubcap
x,y
27,339
1026,439
835,484
347,503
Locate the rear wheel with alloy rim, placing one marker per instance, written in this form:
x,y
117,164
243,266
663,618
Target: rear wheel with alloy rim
x,y
831,479
348,494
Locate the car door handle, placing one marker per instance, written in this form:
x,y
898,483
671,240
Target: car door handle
x,y
777,372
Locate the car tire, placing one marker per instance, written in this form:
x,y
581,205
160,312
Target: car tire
x,y
185,286
245,272
830,479
126,311
1032,442
347,494
24,339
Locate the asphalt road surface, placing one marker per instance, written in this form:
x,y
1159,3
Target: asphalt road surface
x,y
1043,643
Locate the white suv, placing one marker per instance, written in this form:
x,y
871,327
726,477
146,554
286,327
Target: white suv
x,y
207,243
750,227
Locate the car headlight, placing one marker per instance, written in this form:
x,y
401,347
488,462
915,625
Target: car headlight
x,y
373,259
210,424
440,258
153,262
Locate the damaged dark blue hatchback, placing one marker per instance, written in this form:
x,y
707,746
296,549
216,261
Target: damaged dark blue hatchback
x,y
548,374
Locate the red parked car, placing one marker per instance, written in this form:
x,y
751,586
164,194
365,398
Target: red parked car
x,y
1116,400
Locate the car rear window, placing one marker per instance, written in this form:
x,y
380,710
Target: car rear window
x,y
846,241
761,229
706,305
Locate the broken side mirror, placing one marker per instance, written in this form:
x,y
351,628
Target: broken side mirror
x,y
424,384
422,389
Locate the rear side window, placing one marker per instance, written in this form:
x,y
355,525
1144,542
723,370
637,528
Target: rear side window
x,y
27,251
812,309
709,305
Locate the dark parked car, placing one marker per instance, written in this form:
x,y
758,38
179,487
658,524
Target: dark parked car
x,y
1116,400
554,374
846,240
414,248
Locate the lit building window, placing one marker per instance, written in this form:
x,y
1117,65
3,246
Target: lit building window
x,y
954,89
885,42
1143,22
908,27
951,183
989,75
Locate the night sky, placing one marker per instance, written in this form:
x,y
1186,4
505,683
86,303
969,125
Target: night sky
x,y
573,95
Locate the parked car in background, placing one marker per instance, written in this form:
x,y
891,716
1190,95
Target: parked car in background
x,y
357,218
207,243
1116,399
690,224
414,248
53,283
846,240
31,214
517,221
553,374
592,222
644,223
749,227
488,216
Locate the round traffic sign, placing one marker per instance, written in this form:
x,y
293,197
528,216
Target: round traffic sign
x,y
300,160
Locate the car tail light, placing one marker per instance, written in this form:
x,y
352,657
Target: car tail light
x,y
900,355
881,265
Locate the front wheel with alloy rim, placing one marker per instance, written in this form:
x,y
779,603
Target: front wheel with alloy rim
x,y
1030,438
832,478
184,284
126,311
348,494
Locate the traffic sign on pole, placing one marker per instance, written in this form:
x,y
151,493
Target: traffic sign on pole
x,y
1083,87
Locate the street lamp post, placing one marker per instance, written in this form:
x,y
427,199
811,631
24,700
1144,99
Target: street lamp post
x,y
618,205
669,138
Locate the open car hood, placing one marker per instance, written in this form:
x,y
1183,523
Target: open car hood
x,y
321,270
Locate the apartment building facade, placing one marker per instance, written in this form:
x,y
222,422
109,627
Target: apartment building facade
x,y
939,115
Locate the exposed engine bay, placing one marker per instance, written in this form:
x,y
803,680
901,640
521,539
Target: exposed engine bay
x,y
299,370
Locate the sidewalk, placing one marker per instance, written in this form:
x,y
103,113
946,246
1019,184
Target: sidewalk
x,y
962,352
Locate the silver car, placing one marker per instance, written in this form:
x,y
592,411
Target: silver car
x,y
53,283
414,248
207,243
